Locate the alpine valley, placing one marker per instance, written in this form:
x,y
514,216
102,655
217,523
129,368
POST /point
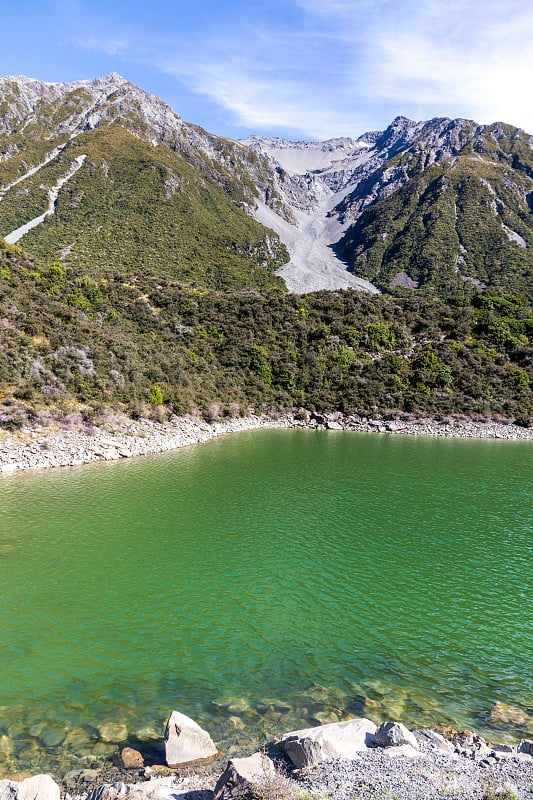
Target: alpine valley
x,y
149,265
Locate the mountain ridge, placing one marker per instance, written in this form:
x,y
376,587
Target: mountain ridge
x,y
387,209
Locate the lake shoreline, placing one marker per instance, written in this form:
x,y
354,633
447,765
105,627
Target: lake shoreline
x,y
60,445
421,763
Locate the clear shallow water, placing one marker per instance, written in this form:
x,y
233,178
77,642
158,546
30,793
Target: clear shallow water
x,y
262,582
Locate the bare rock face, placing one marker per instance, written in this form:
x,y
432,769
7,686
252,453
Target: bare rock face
x,y
186,742
242,776
394,734
38,787
311,746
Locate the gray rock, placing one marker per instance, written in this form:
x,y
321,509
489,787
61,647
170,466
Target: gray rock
x,y
526,746
394,734
244,775
311,746
435,740
38,787
505,748
108,791
8,790
186,742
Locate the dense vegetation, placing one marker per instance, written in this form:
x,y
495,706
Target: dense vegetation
x,y
136,342
136,205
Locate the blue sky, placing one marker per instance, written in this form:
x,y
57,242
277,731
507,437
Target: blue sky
x,y
304,69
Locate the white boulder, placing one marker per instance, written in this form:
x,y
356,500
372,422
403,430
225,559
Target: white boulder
x,y
38,787
311,746
186,742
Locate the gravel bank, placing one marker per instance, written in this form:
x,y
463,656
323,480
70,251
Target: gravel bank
x,y
40,447
380,775
476,772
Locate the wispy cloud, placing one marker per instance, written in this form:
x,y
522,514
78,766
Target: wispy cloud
x,y
339,67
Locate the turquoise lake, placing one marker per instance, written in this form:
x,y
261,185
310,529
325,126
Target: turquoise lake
x,y
262,582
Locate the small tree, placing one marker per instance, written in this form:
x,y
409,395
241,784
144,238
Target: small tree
x,y
156,395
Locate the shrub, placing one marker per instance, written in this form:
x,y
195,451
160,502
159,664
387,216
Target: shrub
x,y
156,395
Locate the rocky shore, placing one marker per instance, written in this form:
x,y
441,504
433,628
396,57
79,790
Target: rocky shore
x,y
40,446
350,760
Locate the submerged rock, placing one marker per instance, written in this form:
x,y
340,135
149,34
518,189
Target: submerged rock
x,y
503,715
311,746
6,746
244,776
186,742
113,732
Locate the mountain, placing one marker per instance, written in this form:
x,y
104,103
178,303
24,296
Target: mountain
x,y
442,205
102,176
452,205
145,259
131,186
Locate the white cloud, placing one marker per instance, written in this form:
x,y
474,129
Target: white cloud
x,y
120,46
340,67
479,65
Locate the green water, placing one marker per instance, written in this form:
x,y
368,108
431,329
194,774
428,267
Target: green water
x,y
263,582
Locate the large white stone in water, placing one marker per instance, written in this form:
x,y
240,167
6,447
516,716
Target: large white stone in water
x,y
186,742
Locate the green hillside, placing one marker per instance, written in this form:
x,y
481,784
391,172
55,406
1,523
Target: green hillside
x,y
155,195
70,341
138,208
